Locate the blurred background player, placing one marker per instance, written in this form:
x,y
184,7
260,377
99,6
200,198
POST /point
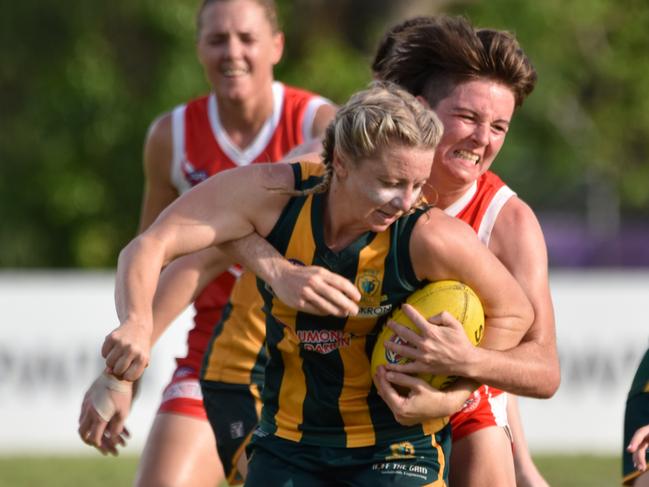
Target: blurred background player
x,y
636,416
474,80
247,118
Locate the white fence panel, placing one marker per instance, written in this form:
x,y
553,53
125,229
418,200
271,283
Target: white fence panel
x,y
53,324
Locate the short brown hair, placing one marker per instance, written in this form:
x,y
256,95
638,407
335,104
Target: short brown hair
x,y
384,49
431,58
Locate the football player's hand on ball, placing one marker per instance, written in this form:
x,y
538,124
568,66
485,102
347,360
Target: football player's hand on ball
x,y
441,347
413,401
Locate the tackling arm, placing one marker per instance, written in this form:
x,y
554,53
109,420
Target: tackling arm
x,y
446,248
312,289
530,368
213,212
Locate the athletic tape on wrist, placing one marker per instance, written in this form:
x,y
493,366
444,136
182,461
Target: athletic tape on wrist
x,y
100,396
114,384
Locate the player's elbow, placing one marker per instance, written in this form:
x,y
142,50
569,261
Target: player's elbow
x,y
550,384
523,319
528,315
547,379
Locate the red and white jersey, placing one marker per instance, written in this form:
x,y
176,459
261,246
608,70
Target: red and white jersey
x,y
480,207
481,204
202,148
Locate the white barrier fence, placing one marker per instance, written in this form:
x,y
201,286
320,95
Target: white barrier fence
x,y
53,324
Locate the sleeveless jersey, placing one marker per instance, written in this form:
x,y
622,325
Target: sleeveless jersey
x,y
201,148
318,389
480,207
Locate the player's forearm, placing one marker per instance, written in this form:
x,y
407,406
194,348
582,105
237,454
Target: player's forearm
x,y
180,284
257,255
459,392
529,369
138,270
175,292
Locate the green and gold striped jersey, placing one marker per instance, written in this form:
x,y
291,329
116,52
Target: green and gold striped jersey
x,y
236,353
318,389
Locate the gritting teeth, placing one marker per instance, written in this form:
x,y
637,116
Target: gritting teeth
x,y
468,155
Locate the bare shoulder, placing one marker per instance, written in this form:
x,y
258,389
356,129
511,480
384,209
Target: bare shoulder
x,y
517,231
272,176
241,182
159,131
516,213
324,115
438,237
436,228
304,157
267,185
158,146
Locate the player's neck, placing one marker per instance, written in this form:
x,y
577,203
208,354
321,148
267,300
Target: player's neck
x,y
340,227
243,120
443,197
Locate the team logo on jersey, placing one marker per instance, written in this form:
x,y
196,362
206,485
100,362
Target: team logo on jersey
x,y
369,284
404,449
192,176
323,341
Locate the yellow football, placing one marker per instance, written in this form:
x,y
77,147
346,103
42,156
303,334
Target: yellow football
x,y
453,296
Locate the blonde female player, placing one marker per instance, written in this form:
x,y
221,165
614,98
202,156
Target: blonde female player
x,y
247,118
322,419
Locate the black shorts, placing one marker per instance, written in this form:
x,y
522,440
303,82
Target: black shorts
x,y
283,463
233,412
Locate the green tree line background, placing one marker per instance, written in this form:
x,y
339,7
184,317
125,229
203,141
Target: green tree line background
x,y
81,80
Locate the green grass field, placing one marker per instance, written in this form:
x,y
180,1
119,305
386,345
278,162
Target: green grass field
x,y
91,471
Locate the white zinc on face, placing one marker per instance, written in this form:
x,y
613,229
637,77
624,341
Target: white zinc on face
x,y
387,186
378,152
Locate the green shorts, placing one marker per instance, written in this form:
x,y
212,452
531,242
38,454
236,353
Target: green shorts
x,y
284,463
233,413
